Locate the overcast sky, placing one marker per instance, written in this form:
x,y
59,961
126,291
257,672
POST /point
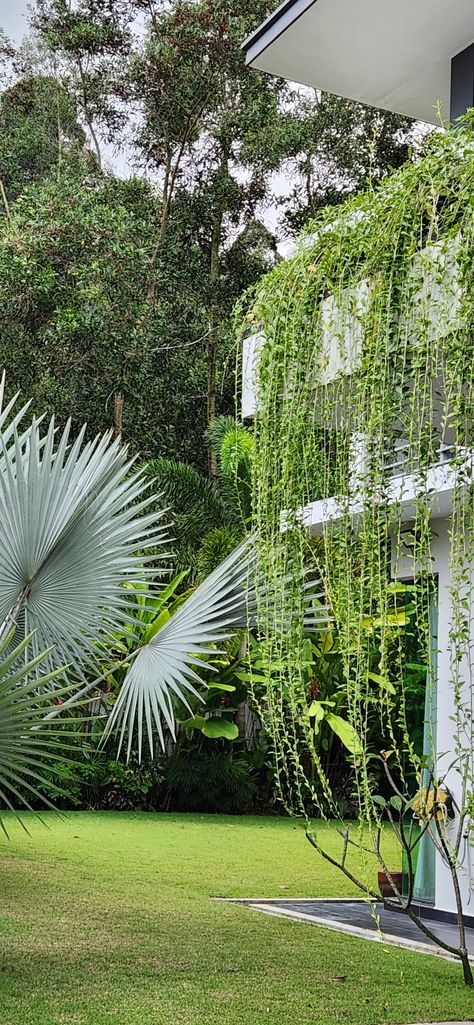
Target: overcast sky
x,y
13,18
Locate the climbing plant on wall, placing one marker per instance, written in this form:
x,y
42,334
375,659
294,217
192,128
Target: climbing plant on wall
x,y
366,408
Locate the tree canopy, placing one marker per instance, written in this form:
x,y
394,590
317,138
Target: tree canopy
x,y
117,290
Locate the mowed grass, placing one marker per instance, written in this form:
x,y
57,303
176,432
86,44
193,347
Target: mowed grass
x,y
106,919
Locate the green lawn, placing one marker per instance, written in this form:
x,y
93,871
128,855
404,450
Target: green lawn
x,y
106,919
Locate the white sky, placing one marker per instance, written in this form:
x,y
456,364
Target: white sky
x,y
13,18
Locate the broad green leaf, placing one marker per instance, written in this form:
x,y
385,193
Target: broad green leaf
x,y
172,587
156,626
392,619
383,682
219,727
317,712
196,722
251,677
346,733
377,799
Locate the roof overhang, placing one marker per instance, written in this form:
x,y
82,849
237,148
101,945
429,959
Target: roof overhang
x,y
392,54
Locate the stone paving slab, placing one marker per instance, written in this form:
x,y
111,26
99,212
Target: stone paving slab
x,y
358,915
354,916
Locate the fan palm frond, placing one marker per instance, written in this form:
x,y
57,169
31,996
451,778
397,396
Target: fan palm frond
x,y
75,526
78,534
28,740
171,664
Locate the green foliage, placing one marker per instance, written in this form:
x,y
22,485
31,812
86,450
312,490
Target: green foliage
x,y
209,518
39,133
233,447
366,394
72,262
412,384
29,739
77,330
78,534
213,727
216,546
212,782
116,297
340,148
195,503
84,40
149,613
94,779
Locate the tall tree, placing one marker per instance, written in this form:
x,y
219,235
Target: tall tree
x,y
207,123
339,147
212,125
213,135
89,40
76,328
73,258
39,132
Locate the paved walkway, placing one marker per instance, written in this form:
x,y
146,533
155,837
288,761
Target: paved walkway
x,y
356,917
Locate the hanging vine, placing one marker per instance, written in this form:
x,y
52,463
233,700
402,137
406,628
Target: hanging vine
x,y
365,390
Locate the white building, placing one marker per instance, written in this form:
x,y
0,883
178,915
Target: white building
x,y
412,58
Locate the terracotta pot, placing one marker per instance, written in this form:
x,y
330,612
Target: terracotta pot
x,y
384,885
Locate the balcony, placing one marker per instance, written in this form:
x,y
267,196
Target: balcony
x,y
432,285
402,491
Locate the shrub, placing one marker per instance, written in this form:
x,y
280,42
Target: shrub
x,y
209,782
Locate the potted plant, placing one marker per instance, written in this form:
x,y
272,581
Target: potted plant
x,y
385,886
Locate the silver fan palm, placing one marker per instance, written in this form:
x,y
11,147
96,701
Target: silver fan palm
x,y
78,533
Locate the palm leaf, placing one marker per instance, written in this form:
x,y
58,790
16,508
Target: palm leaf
x,y
170,666
75,526
78,531
28,740
195,504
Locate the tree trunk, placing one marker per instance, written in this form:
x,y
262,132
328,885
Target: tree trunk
x,y
5,201
213,336
211,387
164,221
118,414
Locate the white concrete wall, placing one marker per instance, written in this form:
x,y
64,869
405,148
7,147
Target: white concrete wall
x,y
251,348
446,726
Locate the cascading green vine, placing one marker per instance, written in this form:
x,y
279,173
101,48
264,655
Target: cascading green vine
x,y
366,378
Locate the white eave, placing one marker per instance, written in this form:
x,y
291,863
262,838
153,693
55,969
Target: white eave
x,y
403,493
392,55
